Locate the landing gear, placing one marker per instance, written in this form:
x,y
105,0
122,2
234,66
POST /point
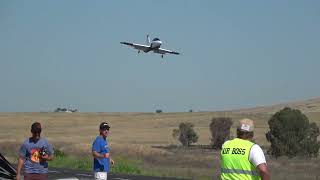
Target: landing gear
x,y
138,51
162,56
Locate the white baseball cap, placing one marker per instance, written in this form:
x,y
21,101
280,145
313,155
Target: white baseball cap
x,y
246,125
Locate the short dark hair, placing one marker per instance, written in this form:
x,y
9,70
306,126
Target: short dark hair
x,y
36,127
244,134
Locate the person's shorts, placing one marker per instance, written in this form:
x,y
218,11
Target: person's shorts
x,y
35,176
100,175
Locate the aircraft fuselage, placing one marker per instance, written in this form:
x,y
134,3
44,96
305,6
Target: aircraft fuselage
x,y
155,44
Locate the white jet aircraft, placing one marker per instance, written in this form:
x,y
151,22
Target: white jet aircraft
x,y
153,45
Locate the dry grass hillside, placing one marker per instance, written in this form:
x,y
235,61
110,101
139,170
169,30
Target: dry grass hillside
x,y
136,134
306,106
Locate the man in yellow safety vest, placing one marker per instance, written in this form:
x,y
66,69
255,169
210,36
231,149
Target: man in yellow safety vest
x,y
241,158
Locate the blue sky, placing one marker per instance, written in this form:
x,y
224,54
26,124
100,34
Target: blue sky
x,y
235,54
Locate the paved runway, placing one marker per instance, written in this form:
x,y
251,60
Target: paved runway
x,y
81,175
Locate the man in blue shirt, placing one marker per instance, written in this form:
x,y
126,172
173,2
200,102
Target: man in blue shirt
x,y
101,153
34,154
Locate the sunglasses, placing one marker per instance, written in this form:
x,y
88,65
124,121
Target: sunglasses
x,y
106,129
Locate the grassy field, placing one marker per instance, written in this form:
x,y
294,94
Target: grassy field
x,y
139,142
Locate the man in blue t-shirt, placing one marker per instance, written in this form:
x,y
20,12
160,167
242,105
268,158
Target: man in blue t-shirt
x,y
101,153
34,154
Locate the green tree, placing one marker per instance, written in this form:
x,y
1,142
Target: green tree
x,y
220,131
185,134
291,134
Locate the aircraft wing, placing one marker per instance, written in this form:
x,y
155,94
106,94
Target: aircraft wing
x,y
164,51
137,46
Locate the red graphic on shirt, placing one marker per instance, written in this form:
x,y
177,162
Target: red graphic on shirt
x,y
35,155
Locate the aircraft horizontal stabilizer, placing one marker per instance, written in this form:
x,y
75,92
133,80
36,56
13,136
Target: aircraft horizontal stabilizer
x,y
126,43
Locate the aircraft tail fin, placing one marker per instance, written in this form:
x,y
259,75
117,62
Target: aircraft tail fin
x,y
148,40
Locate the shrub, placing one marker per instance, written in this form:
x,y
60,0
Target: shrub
x,y
59,153
220,131
185,134
292,135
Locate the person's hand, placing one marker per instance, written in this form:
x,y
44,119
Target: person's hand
x,y
45,157
18,177
112,161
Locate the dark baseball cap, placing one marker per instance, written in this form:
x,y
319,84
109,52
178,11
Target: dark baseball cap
x,y
36,127
104,126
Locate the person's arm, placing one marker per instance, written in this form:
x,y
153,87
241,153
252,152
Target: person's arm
x,y
258,159
95,154
263,171
47,157
19,167
21,159
96,147
111,161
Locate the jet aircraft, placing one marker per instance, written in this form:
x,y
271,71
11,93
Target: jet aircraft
x,y
153,45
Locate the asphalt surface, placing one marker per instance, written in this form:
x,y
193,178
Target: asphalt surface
x,y
81,175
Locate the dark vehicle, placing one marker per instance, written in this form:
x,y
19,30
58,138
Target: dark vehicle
x,y
7,171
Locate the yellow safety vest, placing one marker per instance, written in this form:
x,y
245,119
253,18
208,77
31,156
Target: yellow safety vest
x,y
235,162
